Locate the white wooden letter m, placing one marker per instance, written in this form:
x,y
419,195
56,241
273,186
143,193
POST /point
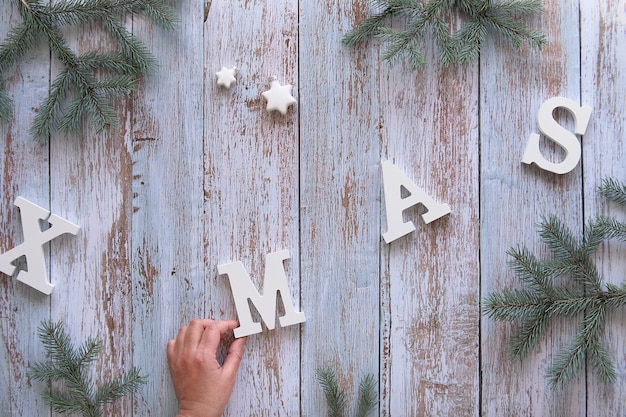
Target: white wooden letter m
x,y
274,282
32,248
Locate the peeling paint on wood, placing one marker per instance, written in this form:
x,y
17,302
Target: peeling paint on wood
x,y
198,176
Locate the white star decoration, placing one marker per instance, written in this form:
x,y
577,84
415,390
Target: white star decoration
x,y
279,97
225,76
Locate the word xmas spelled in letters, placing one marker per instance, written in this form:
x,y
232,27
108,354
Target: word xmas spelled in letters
x,y
400,194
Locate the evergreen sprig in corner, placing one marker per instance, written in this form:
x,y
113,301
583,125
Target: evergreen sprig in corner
x,y
90,82
337,400
543,298
425,17
69,364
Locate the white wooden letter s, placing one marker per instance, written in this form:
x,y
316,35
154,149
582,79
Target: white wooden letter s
x,y
243,289
557,133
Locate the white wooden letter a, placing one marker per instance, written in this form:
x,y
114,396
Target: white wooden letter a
x,y
393,181
32,247
243,289
558,134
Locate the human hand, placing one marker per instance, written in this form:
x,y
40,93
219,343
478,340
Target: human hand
x,y
202,386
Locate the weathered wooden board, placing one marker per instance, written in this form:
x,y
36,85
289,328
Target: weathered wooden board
x,y
603,84
90,186
167,236
431,276
251,185
199,176
514,196
340,202
24,171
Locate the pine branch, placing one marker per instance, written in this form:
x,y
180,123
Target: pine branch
x,y
569,361
124,384
573,255
530,271
424,17
542,299
613,190
5,106
532,329
69,364
367,396
336,398
89,84
611,228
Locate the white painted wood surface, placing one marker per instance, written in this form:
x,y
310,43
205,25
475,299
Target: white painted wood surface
x,y
199,175
513,197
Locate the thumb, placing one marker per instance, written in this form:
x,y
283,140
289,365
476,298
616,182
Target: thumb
x,y
233,358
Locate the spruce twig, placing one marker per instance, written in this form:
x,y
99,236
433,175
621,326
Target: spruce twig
x,y
543,299
69,364
422,17
367,396
336,398
90,82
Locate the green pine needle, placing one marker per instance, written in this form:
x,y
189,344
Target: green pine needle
x,y
336,399
367,396
613,190
69,365
89,84
430,17
5,107
543,299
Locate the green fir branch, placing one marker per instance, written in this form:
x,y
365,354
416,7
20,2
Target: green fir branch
x,y
532,328
367,396
430,17
116,389
70,365
337,400
570,360
335,396
542,299
613,190
574,255
611,228
531,271
89,84
5,106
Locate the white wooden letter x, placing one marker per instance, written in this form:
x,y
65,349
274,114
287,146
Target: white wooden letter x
x,y
32,248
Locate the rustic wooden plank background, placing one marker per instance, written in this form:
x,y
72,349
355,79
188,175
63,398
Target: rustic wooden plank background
x,y
198,176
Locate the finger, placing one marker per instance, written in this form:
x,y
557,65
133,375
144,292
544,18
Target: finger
x,y
225,326
170,349
195,332
233,358
211,337
211,343
179,342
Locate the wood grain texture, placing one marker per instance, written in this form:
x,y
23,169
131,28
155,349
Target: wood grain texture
x,y
199,176
513,199
340,198
603,76
90,186
166,133
24,171
431,276
245,144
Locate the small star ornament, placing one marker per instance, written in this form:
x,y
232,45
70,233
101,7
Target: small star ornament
x,y
279,97
225,76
